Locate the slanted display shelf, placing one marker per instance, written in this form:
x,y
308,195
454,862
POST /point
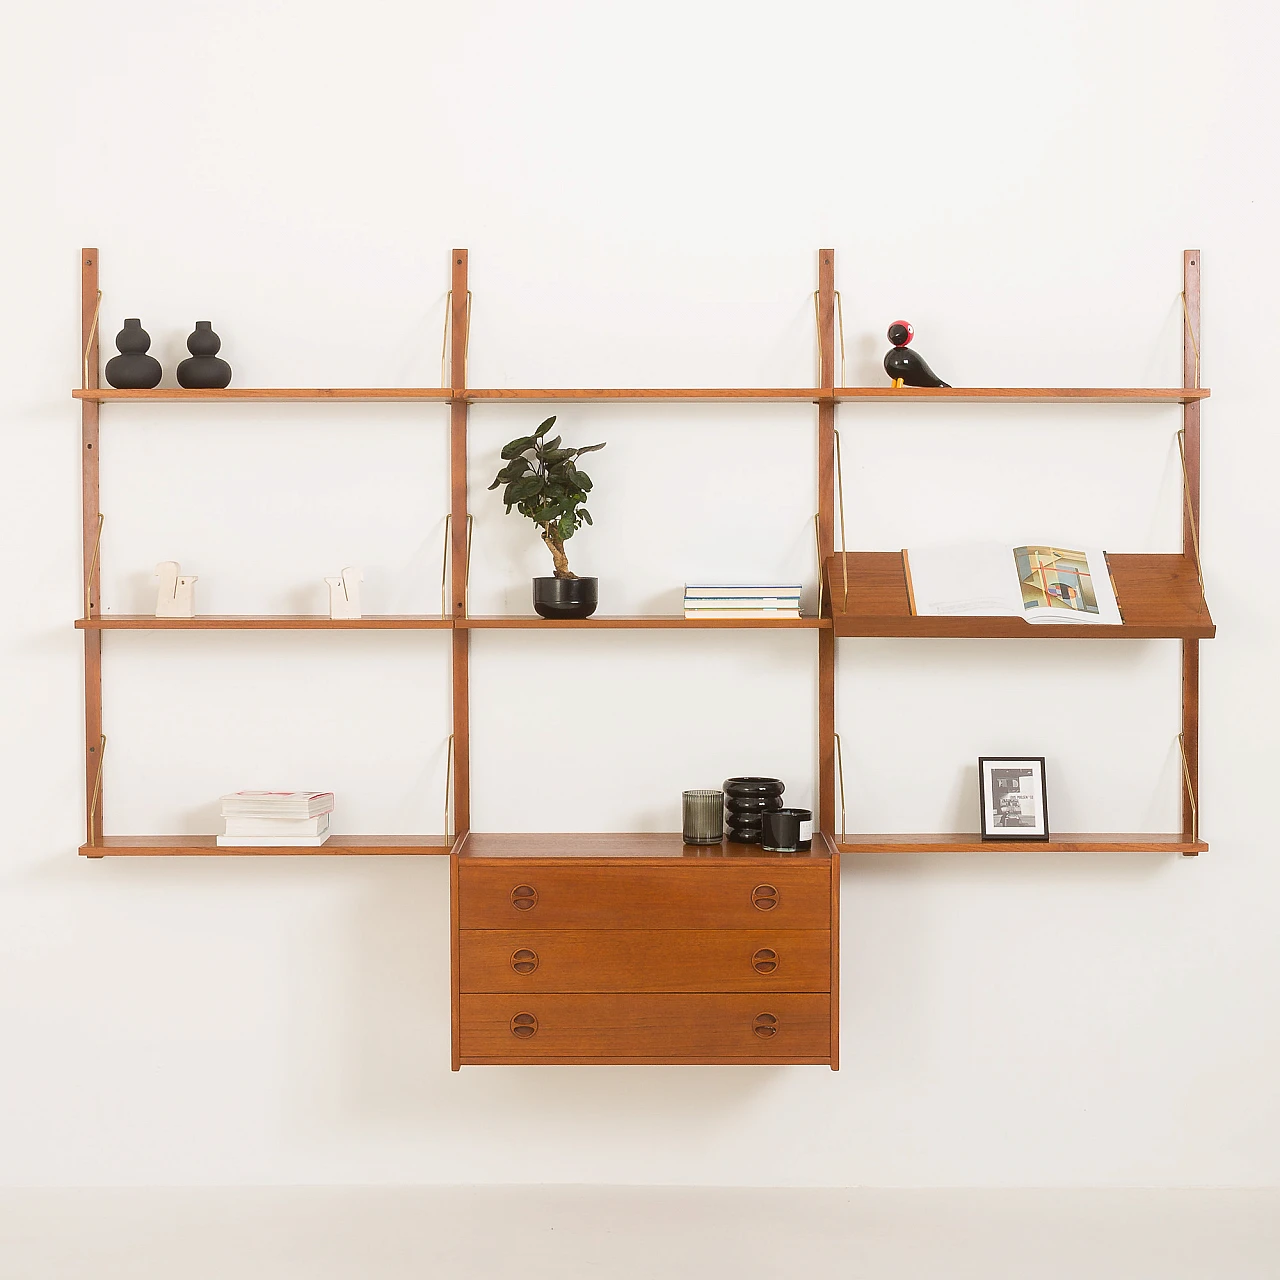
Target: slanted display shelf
x,y
1160,598
1074,842
803,395
201,846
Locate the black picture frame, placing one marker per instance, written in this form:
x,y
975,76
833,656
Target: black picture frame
x,y
1002,817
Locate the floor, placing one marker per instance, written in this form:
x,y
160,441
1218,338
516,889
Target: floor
x,y
625,1233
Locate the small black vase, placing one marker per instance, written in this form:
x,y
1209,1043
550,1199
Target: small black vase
x,y
565,597
204,371
133,369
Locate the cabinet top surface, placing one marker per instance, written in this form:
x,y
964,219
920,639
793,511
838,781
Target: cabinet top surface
x,y
612,845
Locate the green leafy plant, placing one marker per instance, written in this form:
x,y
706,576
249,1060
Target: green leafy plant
x,y
544,483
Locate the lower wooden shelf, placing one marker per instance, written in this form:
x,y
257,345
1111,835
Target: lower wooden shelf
x,y
1076,842
207,846
675,622
264,622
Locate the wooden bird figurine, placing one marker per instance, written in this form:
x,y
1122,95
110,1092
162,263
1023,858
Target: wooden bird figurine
x,y
908,368
344,594
177,595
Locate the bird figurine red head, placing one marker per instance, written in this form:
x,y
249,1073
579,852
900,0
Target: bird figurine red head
x,y
908,368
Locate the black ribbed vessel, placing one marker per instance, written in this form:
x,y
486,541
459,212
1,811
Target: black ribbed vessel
x,y
746,801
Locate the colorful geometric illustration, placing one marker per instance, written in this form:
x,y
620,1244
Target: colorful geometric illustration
x,y
1052,578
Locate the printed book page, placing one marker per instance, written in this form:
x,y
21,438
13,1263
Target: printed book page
x,y
1043,583
974,579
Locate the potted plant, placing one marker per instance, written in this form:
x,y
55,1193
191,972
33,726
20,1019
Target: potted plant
x,y
544,483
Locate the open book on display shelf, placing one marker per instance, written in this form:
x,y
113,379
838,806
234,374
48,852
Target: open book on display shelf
x,y
1041,583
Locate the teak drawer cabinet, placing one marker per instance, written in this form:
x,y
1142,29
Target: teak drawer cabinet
x,y
598,949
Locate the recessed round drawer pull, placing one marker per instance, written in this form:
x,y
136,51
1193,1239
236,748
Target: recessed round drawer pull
x,y
524,897
765,1026
524,1025
764,897
524,960
765,960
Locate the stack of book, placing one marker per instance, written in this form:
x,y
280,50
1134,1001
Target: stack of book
x,y
770,601
276,819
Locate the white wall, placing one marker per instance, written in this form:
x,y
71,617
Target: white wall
x,y
642,191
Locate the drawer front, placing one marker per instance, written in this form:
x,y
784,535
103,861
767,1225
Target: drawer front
x,y
573,960
539,895
760,1028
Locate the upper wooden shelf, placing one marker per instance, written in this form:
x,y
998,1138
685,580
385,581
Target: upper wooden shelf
x,y
1080,842
264,622
631,845
673,622
1023,395
1159,598
108,395
1029,395
207,846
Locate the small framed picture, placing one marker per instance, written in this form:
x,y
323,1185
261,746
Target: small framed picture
x,y
1013,800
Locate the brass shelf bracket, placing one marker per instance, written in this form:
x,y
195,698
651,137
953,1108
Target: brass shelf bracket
x,y
93,564
448,790
97,790
817,551
1192,335
444,567
444,340
840,319
88,346
840,776
844,553
1191,794
1192,522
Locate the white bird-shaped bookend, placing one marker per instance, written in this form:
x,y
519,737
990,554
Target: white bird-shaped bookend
x,y
177,595
344,594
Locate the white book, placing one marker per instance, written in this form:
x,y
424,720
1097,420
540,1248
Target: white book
x,y
1055,584
277,804
700,592
272,842
741,613
277,826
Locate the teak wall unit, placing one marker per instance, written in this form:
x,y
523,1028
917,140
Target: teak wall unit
x,y
635,947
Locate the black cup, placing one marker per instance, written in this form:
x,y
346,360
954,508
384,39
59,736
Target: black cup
x,y
782,830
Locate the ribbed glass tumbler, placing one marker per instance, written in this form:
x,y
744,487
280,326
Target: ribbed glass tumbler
x,y
703,817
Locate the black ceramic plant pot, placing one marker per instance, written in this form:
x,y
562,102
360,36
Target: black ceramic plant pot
x,y
565,597
746,801
133,368
204,371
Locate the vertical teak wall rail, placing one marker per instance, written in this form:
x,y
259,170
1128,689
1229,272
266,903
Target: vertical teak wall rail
x,y
89,449
460,553
826,538
1191,537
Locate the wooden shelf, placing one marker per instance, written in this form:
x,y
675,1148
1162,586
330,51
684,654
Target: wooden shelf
x,y
673,622
799,395
231,395
207,846
265,622
1028,395
1159,597
1087,842
617,844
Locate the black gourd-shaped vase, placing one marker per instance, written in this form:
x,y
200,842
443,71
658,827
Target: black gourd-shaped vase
x,y
133,369
204,370
746,801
